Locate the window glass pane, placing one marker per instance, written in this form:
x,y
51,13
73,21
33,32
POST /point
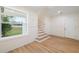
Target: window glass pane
x,y
12,27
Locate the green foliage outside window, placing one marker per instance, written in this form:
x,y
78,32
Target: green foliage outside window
x,y
5,27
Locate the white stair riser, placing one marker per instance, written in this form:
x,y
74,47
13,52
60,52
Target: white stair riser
x,y
42,36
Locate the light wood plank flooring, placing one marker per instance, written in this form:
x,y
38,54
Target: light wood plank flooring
x,y
51,45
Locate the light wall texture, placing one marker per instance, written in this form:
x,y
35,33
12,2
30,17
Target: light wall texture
x,y
47,22
65,26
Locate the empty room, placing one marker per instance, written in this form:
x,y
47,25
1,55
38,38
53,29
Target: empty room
x,y
39,29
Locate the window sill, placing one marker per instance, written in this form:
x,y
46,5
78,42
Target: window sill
x,y
12,37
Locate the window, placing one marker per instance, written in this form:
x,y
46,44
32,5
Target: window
x,y
12,23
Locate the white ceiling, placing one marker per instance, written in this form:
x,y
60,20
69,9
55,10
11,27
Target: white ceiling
x,y
63,9
51,10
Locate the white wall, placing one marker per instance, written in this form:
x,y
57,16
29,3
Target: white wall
x,y
12,43
33,25
70,26
65,25
57,26
47,25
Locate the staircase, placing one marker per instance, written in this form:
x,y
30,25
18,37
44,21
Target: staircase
x,y
41,33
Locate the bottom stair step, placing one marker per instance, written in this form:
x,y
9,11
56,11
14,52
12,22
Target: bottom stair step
x,y
43,39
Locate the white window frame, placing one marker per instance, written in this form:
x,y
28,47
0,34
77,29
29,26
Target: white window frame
x,y
24,27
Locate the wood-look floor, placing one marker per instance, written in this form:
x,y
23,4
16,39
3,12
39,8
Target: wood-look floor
x,y
51,45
